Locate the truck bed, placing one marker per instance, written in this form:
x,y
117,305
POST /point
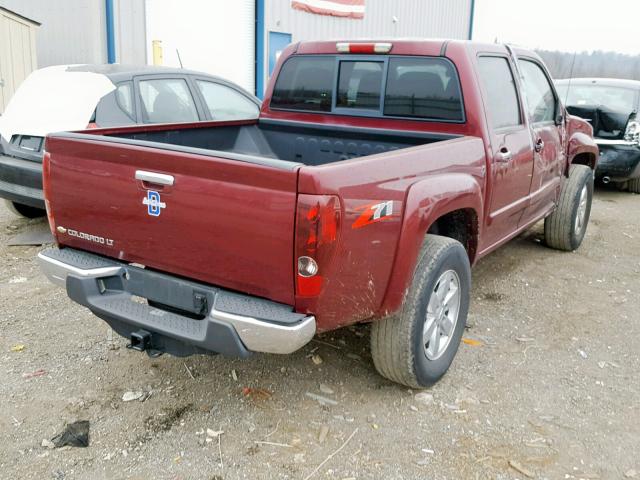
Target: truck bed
x,y
226,214
267,140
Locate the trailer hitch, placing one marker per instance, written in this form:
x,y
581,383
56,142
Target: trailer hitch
x,y
141,342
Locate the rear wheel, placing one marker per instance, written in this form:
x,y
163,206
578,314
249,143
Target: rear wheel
x,y
565,228
634,185
416,346
24,210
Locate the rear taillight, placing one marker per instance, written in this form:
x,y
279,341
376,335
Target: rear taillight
x,y
317,226
46,186
632,133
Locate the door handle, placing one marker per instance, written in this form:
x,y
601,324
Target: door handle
x,y
504,155
539,145
152,177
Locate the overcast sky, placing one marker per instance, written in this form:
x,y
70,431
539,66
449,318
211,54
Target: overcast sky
x,y
565,25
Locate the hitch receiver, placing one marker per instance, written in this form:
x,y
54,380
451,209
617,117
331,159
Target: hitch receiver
x,y
140,340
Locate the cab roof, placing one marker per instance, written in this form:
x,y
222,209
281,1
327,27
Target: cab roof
x,y
400,46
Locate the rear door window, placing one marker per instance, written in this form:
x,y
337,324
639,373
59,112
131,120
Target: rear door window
x,y
305,83
167,100
502,97
424,88
224,103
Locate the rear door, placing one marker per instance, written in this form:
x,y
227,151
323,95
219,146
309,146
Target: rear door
x,y
225,222
548,138
511,151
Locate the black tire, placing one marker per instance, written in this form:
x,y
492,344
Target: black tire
x,y
25,211
397,341
560,228
634,185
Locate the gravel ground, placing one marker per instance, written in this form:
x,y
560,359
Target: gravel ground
x,y
547,386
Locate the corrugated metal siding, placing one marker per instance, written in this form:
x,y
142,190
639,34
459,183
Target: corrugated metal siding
x,y
414,18
130,32
213,36
72,31
382,19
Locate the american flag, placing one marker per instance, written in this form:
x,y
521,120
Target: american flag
x,y
337,8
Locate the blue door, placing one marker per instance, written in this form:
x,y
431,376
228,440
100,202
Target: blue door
x,y
277,42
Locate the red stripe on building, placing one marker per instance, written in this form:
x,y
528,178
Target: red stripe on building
x,y
359,3
311,6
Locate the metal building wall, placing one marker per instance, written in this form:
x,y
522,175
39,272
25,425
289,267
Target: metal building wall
x,y
74,31
212,36
131,37
382,19
414,18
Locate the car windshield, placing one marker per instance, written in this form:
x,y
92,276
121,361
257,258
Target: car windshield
x,y
613,98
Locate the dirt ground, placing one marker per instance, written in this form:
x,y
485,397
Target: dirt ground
x,y
548,390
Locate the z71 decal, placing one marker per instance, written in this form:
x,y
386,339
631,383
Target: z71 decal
x,y
373,213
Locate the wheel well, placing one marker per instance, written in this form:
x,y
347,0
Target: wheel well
x,y
588,159
461,225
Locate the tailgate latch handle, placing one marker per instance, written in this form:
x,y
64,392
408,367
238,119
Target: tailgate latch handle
x,y
152,177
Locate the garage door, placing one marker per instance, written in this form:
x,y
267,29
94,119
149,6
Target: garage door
x,y
213,36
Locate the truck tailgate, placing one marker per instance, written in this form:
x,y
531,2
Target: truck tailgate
x,y
225,222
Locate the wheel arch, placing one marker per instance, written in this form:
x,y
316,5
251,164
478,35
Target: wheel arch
x,y
585,158
582,150
449,205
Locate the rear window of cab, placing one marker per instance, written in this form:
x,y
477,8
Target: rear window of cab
x,y
425,88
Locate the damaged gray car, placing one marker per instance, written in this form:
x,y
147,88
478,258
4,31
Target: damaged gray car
x,y
611,106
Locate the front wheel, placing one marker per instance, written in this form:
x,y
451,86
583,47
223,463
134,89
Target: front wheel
x,y
416,346
25,211
634,185
565,228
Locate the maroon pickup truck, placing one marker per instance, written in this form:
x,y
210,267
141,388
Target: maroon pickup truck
x,y
376,174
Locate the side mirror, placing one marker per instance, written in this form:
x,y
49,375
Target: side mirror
x,y
559,119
